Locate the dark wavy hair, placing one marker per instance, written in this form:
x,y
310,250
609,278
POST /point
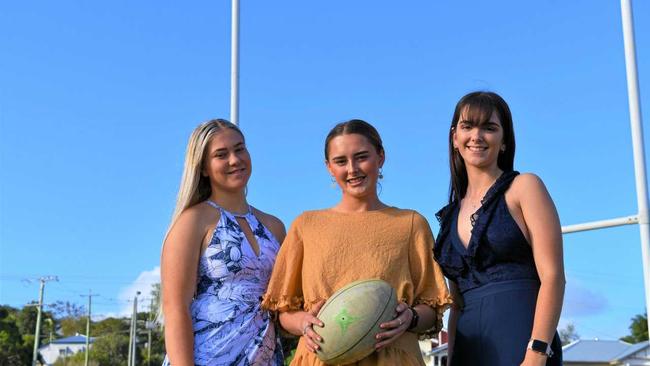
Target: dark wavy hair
x,y
357,126
478,107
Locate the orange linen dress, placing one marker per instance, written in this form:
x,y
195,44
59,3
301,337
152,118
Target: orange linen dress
x,y
325,250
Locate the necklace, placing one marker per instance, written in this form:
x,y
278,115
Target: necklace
x,y
476,203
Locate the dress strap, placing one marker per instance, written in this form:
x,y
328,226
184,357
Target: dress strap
x,y
215,205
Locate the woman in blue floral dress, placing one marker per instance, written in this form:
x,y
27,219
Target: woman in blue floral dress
x,y
217,259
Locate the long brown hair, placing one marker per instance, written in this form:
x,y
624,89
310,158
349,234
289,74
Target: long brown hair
x,y
478,107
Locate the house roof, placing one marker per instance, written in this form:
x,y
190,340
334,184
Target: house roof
x,y
77,339
632,350
595,350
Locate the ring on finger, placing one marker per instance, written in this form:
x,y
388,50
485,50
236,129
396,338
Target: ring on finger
x,y
304,330
400,321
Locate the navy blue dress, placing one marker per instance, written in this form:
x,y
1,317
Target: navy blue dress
x,y
497,278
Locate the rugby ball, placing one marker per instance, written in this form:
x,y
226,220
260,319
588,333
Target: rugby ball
x,y
351,319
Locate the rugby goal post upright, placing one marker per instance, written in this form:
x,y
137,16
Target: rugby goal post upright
x,y
234,64
641,218
637,142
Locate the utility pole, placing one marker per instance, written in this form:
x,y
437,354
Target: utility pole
x,y
132,333
37,333
148,344
150,325
90,296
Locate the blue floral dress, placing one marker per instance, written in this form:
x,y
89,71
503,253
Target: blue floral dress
x,y
230,327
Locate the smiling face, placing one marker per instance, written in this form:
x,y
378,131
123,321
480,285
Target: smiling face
x,y
354,163
479,144
227,162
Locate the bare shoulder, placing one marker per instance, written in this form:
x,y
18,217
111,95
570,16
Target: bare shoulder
x,y
526,184
192,225
528,180
530,194
272,223
198,215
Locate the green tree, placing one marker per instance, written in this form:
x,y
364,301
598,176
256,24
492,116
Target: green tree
x,y
65,309
638,329
157,334
568,334
26,319
110,326
157,346
155,296
78,359
72,317
13,350
110,350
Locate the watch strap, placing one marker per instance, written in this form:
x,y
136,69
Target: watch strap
x,y
542,347
415,319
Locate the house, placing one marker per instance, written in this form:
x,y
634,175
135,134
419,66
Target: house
x,y
605,352
63,347
579,353
434,351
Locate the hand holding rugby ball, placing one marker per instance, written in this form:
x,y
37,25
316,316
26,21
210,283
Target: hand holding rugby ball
x,y
351,319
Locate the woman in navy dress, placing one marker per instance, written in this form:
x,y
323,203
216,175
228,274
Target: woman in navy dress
x,y
500,245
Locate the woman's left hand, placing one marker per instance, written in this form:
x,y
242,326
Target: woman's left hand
x,y
534,359
394,328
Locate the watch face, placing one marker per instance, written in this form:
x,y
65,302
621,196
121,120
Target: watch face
x,y
539,346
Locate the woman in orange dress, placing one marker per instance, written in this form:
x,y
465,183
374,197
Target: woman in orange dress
x,y
359,238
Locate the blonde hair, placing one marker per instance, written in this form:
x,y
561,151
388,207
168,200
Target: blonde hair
x,y
195,187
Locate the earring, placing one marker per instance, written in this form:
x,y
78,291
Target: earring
x,y
381,173
333,184
503,148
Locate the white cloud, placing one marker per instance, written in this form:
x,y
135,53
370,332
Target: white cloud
x,y
100,317
143,284
582,301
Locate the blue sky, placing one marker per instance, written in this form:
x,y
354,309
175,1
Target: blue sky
x,y
97,101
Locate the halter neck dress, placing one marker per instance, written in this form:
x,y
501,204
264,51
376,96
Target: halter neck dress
x,y
498,281
230,327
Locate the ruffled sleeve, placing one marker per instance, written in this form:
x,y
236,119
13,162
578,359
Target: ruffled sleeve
x,y
284,292
429,284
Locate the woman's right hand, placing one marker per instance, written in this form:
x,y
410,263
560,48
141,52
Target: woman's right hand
x,y
307,322
300,323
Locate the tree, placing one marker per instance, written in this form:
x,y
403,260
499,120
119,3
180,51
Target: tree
x,y
67,309
568,334
78,359
157,335
13,349
638,329
26,319
110,326
110,350
155,296
72,317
